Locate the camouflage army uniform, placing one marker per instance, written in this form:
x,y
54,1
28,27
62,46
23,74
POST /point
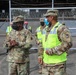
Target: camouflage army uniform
x,y
18,56
38,40
64,37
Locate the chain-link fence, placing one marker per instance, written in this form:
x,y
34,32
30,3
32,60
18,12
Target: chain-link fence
x,y
35,13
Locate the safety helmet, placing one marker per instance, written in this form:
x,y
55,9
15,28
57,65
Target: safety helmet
x,y
26,23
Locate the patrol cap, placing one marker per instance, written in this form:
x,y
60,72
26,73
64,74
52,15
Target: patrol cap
x,y
51,13
63,23
41,19
18,18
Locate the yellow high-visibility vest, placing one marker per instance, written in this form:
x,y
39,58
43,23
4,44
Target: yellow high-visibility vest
x,y
30,28
52,41
9,28
39,34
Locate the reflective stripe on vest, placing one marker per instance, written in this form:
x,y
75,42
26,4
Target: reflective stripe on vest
x,y
52,41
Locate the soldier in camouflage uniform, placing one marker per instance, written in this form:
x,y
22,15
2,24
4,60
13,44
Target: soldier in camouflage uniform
x,y
56,41
38,35
18,42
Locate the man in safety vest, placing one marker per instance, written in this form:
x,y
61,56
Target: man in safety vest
x,y
27,26
9,28
38,35
56,41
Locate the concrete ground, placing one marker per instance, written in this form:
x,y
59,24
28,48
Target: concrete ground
x,y
71,64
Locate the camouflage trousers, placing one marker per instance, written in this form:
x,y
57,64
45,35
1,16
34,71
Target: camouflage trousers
x,y
40,52
18,68
40,66
54,70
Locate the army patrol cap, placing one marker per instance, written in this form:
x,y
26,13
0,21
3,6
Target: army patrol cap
x,y
41,19
18,19
51,13
63,23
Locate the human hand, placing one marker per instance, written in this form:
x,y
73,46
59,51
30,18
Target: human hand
x,y
37,42
49,52
13,43
40,61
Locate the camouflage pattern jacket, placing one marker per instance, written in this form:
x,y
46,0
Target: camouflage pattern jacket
x,y
19,53
65,37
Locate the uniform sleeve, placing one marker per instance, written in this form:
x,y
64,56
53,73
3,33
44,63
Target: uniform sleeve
x,y
36,38
28,42
6,43
66,41
36,35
